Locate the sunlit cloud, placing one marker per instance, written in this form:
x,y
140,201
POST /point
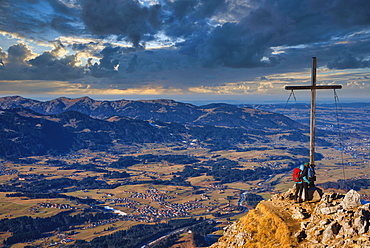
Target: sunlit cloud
x,y
66,88
355,84
15,87
265,87
227,89
154,47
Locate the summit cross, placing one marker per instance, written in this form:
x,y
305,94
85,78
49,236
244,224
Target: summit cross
x,y
313,89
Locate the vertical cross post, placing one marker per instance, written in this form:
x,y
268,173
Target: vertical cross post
x,y
313,112
313,89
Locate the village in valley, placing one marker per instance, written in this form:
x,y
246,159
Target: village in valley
x,y
156,183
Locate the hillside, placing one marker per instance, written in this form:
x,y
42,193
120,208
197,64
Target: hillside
x,y
335,220
25,133
63,125
221,114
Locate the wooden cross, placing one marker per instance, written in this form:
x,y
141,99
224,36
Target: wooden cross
x,y
313,89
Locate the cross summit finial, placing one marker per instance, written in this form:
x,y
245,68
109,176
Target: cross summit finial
x,y
313,89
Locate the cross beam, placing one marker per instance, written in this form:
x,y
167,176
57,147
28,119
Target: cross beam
x,y
313,89
318,87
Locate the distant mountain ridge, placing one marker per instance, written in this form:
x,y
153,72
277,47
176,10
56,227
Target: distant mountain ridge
x,y
217,114
24,132
29,127
104,109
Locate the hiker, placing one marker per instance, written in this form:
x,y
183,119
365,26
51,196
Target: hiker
x,y
301,183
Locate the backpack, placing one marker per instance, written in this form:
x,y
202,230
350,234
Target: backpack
x,y
296,174
311,174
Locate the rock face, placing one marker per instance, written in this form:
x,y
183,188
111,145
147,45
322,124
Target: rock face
x,y
335,220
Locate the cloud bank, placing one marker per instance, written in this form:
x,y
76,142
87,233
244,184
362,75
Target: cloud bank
x,y
131,43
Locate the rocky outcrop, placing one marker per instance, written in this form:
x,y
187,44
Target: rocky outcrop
x,y
334,220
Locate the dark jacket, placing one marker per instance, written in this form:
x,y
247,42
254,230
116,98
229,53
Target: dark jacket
x,y
304,174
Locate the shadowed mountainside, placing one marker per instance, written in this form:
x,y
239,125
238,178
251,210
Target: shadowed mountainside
x,y
63,125
24,132
220,114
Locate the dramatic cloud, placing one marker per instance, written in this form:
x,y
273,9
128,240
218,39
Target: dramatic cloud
x,y
180,45
21,63
39,19
348,61
18,55
121,18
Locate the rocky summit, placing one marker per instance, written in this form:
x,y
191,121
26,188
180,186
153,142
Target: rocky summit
x,y
327,220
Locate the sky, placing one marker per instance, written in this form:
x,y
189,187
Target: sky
x,y
197,51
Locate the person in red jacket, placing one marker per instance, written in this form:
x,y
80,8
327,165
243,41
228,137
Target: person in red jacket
x,y
302,185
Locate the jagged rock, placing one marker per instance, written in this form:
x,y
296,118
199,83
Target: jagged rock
x,y
317,246
361,224
324,222
363,211
347,230
339,237
337,244
327,235
330,231
348,242
240,239
311,233
351,200
326,201
300,236
315,194
349,233
329,210
336,221
298,214
365,245
318,232
340,218
329,197
304,224
340,211
321,206
289,195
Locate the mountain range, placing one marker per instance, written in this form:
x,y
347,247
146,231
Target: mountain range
x,y
30,127
216,114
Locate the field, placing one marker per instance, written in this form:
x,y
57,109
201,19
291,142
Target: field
x,y
196,196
